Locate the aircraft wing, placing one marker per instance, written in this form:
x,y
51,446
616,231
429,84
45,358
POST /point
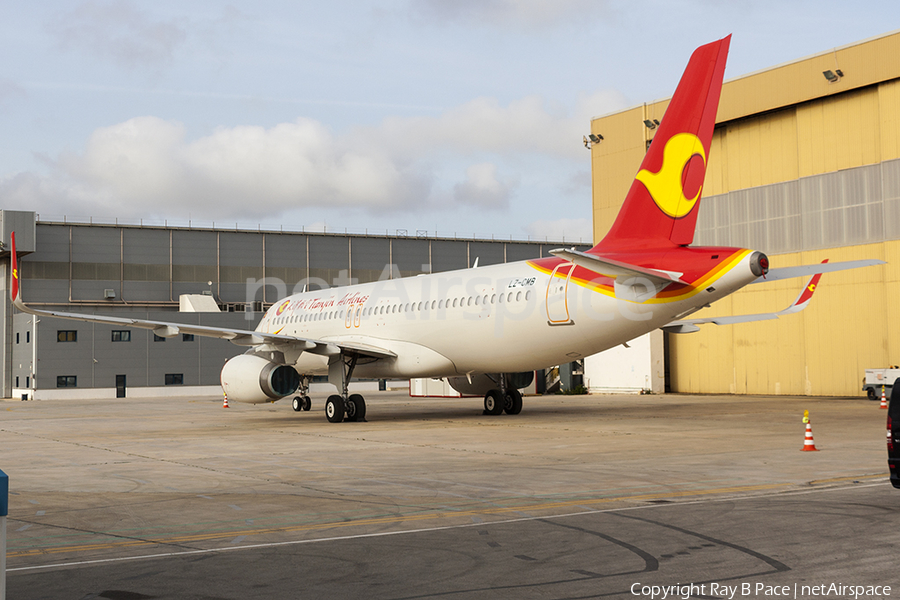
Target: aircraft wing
x,y
239,337
615,268
802,301
802,271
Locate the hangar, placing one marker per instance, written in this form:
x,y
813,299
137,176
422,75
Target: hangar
x,y
804,165
202,275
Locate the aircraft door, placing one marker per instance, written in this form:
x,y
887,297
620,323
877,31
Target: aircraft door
x,y
353,314
557,295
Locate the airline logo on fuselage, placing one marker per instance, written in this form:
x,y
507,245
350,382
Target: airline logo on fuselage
x,y
666,187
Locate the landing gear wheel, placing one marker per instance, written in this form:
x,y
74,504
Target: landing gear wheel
x,y
307,403
334,409
493,402
356,408
513,405
297,403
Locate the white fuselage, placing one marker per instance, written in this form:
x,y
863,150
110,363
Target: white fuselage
x,y
496,319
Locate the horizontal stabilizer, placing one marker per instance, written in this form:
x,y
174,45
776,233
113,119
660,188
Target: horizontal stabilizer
x,y
615,268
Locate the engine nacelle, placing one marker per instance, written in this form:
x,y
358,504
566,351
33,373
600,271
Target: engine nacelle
x,y
481,383
253,379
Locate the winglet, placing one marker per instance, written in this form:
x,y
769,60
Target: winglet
x,y
14,262
805,296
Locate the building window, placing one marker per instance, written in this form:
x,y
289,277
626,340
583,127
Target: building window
x,y
187,337
121,335
17,381
174,379
158,338
27,381
27,337
65,335
66,381
17,338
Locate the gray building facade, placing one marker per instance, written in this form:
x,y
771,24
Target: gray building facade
x,y
142,271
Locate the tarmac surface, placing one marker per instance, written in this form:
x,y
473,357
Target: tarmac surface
x,y
576,497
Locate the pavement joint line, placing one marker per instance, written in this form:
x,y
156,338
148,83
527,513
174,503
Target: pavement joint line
x,y
433,529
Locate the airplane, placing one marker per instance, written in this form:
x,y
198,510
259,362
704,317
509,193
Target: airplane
x,y
487,329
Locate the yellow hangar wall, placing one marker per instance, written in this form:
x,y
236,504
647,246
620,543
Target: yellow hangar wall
x,y
789,126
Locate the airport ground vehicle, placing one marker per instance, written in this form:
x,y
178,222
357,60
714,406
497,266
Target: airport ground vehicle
x,y
876,378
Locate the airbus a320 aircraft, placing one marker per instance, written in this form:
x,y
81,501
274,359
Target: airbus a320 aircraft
x,y
486,328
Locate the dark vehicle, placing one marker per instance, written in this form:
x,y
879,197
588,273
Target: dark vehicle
x,y
893,434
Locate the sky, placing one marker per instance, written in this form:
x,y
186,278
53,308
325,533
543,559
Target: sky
x,y
451,117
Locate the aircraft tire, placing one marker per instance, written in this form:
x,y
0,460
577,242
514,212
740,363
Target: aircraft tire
x,y
513,404
356,408
307,403
334,409
493,403
297,403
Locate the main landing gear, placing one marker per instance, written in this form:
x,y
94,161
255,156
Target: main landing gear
x,y
505,399
344,406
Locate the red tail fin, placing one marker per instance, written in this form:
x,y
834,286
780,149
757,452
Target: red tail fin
x,y
661,206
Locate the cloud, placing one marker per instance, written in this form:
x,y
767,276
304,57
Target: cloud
x,y
147,166
119,31
570,230
529,13
482,188
528,125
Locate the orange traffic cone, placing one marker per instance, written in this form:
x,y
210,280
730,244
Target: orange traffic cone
x,y
809,445
226,402
883,398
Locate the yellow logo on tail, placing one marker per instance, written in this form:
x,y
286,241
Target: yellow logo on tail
x,y
666,186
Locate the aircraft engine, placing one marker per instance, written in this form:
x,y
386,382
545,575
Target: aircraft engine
x,y
482,383
253,379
